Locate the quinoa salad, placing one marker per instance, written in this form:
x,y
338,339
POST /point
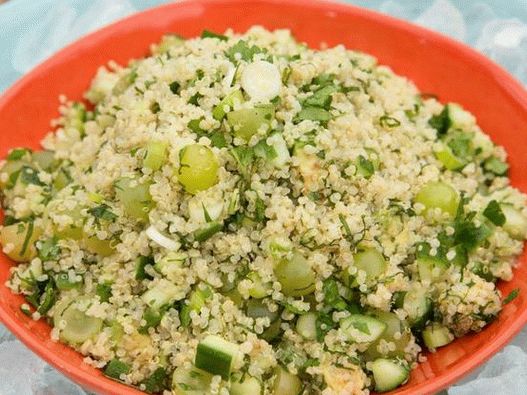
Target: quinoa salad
x,y
240,214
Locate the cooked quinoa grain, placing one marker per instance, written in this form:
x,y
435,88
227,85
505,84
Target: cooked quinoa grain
x,y
241,214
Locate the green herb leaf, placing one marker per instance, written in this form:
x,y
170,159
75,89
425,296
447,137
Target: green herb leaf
x,y
152,318
140,264
115,368
28,175
361,326
157,381
18,153
461,145
49,250
346,227
29,233
332,297
63,282
313,114
49,298
245,51
264,150
321,98
194,99
104,291
389,122
217,139
494,213
365,167
496,166
324,324
244,157
208,231
441,122
259,210
194,126
209,34
102,212
511,296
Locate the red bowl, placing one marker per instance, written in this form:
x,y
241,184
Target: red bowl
x,y
435,63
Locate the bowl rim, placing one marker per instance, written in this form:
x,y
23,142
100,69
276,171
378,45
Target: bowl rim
x,y
502,77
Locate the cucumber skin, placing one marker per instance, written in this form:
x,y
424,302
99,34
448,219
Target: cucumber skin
x,y
382,384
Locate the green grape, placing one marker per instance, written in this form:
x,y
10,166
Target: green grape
x,y
438,195
198,168
295,275
135,197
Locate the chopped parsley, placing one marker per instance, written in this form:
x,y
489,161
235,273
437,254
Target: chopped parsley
x,y
494,213
209,34
244,51
103,212
389,122
48,250
511,296
441,122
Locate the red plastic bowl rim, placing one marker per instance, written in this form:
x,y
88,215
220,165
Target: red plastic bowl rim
x,y
504,78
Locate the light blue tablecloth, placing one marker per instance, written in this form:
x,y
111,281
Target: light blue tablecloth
x,y
32,30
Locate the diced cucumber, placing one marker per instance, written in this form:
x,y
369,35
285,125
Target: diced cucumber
x,y
418,306
156,155
235,97
272,331
248,386
162,294
261,80
282,152
496,166
191,381
79,326
195,302
216,356
256,308
295,275
388,374
448,159
515,223
431,268
135,197
259,289
459,118
286,383
10,169
45,160
205,209
306,326
361,328
393,325
247,121
436,335
371,261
